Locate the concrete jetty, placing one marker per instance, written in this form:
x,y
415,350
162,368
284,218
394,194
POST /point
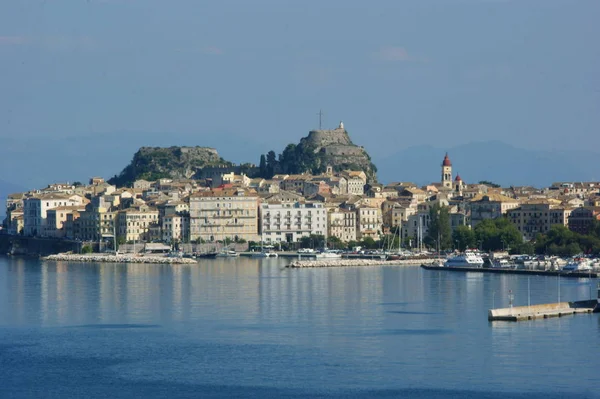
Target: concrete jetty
x,y
507,270
353,263
544,311
102,258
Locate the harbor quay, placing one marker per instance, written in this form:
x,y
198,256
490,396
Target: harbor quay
x,y
352,263
528,272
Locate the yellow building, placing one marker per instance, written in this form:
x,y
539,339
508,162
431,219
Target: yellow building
x,y
135,224
537,216
224,213
490,206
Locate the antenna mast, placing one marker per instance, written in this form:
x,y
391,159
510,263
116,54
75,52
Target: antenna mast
x,y
320,119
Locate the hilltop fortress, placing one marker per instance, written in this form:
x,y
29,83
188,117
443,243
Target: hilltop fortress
x,y
338,150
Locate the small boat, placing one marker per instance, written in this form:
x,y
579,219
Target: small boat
x,y
502,263
327,254
264,254
230,253
207,255
578,265
467,259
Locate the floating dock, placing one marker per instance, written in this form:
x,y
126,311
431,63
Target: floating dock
x,y
526,272
545,311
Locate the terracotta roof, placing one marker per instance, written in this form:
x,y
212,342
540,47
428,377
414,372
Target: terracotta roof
x,y
446,161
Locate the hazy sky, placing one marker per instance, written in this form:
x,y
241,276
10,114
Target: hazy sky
x,y
397,72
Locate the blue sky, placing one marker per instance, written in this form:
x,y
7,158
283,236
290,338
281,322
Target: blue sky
x,y
398,73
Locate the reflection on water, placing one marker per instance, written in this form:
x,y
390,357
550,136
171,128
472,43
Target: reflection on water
x,y
255,321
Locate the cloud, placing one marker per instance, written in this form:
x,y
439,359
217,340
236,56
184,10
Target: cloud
x,y
13,40
394,53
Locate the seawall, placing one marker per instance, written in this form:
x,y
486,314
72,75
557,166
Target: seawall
x,y
35,246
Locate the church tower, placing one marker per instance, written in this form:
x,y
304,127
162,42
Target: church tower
x,y
458,186
447,173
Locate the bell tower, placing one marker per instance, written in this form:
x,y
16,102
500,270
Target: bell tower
x,y
447,173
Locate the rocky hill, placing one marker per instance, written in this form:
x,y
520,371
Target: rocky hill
x,y
335,148
318,150
152,163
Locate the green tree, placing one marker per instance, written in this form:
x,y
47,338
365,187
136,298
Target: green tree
x,y
368,242
312,241
464,238
439,233
489,183
497,234
86,249
334,242
262,166
271,164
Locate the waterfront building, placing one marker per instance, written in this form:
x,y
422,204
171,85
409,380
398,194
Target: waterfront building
x,y
284,221
93,224
35,210
134,224
224,213
176,227
490,206
396,211
537,216
14,222
416,227
56,219
581,219
341,223
369,222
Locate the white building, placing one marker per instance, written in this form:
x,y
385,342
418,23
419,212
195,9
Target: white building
x,y
35,211
341,223
369,222
291,221
176,227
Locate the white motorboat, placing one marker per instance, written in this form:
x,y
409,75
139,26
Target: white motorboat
x,y
467,259
328,255
578,265
503,263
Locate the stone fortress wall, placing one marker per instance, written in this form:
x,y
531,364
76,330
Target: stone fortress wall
x,y
322,138
344,150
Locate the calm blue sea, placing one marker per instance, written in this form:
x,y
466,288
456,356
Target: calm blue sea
x,y
251,328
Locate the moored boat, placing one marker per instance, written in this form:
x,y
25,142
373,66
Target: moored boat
x,y
578,265
466,259
327,254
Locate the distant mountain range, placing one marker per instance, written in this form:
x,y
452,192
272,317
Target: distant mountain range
x,y
494,161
